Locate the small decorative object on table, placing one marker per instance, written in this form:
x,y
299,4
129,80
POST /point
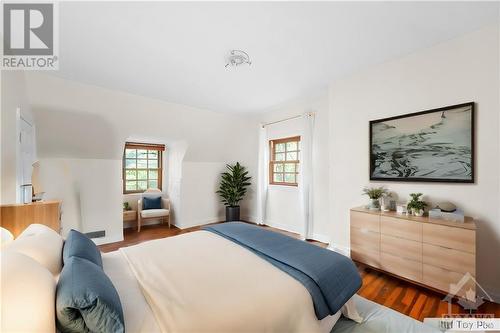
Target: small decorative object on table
x,y
385,202
401,209
126,206
375,193
446,207
447,211
415,205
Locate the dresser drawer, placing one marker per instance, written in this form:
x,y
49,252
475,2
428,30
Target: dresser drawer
x,y
400,247
450,237
365,238
409,269
457,261
365,221
365,255
441,279
401,228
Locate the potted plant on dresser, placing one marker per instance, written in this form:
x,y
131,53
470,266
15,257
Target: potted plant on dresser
x,y
232,189
415,205
375,193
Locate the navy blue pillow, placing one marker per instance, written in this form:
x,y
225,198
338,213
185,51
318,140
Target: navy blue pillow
x,y
86,300
79,245
151,203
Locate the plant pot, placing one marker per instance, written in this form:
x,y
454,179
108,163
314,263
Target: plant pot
x,y
418,212
374,204
232,213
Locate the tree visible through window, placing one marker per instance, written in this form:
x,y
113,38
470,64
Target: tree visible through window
x,y
284,161
142,167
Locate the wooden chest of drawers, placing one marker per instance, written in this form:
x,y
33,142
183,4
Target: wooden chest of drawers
x,y
17,217
430,252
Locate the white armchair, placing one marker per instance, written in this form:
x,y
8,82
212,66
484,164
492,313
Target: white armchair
x,y
153,214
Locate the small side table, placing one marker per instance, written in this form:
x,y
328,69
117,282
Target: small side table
x,y
129,215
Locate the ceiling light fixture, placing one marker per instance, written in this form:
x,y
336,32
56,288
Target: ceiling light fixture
x,y
237,58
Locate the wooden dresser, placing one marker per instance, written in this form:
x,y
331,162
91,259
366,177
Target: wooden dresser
x,y
431,252
17,217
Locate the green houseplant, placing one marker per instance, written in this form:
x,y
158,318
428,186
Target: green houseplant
x,y
375,193
232,189
415,205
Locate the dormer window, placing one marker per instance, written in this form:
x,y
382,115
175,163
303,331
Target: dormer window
x,y
142,167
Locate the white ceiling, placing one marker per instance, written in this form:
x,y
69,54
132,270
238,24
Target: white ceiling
x,y
175,51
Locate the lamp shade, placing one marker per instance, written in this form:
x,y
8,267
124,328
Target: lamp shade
x,y
35,178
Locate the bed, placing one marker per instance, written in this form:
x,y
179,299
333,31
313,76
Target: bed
x,y
204,282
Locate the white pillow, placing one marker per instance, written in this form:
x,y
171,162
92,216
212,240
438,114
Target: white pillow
x,y
6,237
42,244
28,295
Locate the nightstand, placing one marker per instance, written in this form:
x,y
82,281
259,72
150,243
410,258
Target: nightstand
x,y
129,215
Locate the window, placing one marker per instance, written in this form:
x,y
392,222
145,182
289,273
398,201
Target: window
x,y
284,161
142,167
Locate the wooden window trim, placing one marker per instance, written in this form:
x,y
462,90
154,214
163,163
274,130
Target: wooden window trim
x,y
144,146
272,162
147,146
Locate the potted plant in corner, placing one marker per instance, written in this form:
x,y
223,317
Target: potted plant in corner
x,y
415,205
232,189
375,193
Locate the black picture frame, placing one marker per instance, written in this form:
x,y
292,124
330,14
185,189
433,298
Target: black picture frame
x,y
472,178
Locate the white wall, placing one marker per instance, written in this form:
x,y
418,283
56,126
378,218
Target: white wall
x,y
461,70
200,180
83,122
15,103
91,193
283,202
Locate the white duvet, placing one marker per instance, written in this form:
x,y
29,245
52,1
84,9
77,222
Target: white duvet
x,y
200,282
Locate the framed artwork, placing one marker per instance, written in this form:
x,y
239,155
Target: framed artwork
x,y
429,146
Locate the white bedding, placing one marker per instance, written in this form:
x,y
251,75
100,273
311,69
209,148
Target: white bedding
x,y
200,282
137,314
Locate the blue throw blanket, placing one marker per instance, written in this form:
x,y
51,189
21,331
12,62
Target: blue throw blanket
x,y
331,278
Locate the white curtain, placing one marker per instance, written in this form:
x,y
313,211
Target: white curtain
x,y
306,174
263,175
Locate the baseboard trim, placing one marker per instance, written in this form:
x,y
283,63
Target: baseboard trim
x,y
198,223
107,240
249,218
321,238
281,226
344,250
270,223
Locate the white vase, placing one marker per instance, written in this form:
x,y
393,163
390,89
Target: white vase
x,y
374,204
419,212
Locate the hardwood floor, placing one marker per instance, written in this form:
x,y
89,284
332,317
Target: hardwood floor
x,y
412,300
400,295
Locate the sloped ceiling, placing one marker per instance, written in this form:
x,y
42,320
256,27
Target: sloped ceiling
x,y
175,51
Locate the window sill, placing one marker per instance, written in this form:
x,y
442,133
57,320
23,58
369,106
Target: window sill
x,y
278,187
284,184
